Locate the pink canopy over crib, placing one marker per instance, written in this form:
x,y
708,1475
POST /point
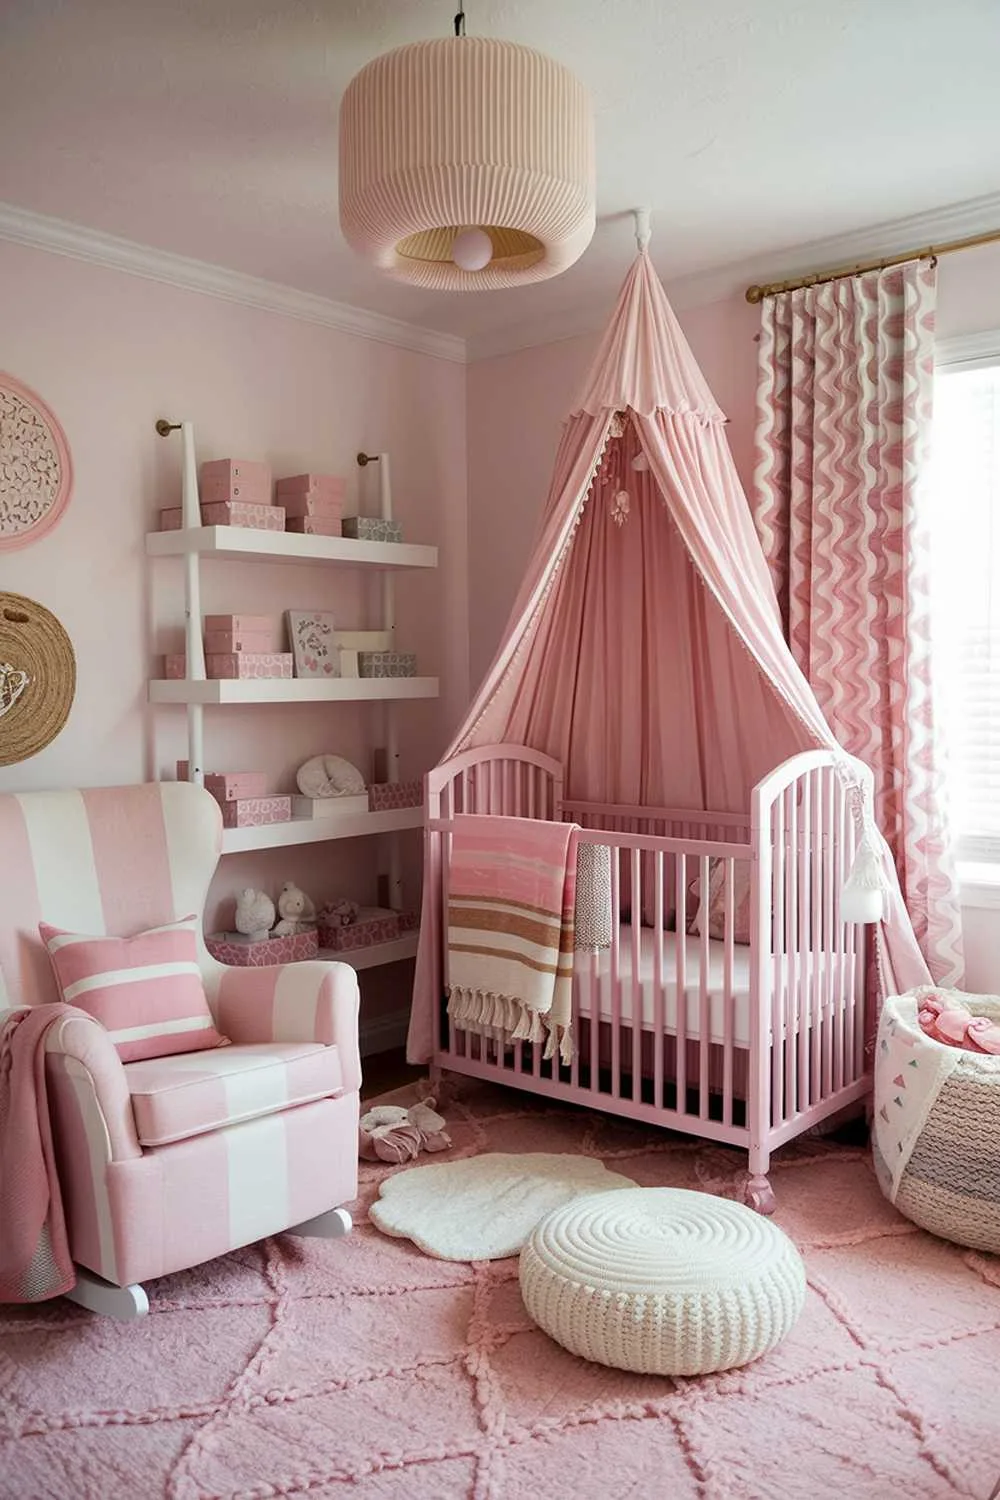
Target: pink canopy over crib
x,y
644,651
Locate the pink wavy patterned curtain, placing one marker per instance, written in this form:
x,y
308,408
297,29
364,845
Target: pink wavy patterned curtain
x,y
844,399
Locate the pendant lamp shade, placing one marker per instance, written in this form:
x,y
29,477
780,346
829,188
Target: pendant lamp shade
x,y
461,134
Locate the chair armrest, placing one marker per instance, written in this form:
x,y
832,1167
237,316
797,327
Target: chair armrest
x,y
313,1001
87,1081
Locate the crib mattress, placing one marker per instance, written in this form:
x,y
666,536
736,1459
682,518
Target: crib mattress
x,y
587,982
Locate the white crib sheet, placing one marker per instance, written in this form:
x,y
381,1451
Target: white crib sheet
x,y
585,985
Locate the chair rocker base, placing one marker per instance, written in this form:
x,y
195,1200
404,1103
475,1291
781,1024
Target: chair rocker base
x,y
332,1225
100,1296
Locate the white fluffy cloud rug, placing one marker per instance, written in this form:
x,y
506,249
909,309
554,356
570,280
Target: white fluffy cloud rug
x,y
484,1207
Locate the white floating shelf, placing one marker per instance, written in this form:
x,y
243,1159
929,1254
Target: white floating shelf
x,y
319,830
378,953
292,690
247,544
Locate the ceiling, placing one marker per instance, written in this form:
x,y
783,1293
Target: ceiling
x,y
748,127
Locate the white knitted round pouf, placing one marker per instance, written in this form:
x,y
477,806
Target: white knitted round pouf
x,y
662,1281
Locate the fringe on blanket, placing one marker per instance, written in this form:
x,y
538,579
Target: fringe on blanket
x,y
505,1020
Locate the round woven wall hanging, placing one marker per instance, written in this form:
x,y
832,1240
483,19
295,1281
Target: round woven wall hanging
x,y
36,473
37,677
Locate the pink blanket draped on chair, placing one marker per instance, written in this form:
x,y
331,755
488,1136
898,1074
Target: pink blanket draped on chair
x,y
34,1251
511,900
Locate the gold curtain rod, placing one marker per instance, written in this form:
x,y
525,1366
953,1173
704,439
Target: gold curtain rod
x,y
758,293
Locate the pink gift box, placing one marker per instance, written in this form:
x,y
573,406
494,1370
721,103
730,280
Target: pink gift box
x,y
309,503
386,795
257,517
374,924
244,664
315,525
259,642
233,948
256,812
215,491
236,471
330,485
250,624
228,786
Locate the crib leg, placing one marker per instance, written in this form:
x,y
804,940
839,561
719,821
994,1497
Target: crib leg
x,y
757,1192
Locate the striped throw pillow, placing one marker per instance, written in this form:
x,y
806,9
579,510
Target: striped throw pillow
x,y
146,990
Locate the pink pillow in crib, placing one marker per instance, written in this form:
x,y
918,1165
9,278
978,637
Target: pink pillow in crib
x,y
717,902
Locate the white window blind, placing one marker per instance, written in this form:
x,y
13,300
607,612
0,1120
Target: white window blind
x,y
965,563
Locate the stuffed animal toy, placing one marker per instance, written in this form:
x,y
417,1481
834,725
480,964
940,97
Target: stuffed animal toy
x,y
339,913
296,911
389,1133
254,913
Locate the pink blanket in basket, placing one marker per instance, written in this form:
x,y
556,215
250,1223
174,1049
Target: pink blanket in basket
x,y
34,1251
511,898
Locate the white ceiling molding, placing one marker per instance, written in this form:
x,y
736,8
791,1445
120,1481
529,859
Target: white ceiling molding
x,y
955,222
969,349
43,233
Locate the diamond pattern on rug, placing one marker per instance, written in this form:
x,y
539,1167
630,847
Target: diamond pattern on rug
x,y
311,1368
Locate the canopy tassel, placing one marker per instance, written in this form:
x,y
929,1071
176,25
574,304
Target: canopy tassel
x,y
643,233
863,896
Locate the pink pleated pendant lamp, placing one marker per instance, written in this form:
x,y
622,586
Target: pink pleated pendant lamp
x,y
467,163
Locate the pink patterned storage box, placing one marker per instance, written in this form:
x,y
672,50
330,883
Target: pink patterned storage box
x,y
236,471
256,812
409,921
374,924
228,786
315,525
249,664
269,625
330,485
384,796
256,517
219,491
232,948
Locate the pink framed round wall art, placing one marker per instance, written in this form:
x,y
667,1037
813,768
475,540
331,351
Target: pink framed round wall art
x,y
36,471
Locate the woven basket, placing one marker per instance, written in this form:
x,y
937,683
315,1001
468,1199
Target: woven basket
x,y
37,678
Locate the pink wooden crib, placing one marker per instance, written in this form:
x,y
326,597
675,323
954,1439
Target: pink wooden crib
x,y
747,1043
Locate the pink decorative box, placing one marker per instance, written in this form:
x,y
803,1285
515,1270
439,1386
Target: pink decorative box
x,y
248,625
386,795
256,812
409,921
236,471
314,525
249,664
309,503
256,517
330,485
226,641
239,951
218,491
228,786
374,924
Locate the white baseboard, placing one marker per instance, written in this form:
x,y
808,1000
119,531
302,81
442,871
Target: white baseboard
x,y
384,1032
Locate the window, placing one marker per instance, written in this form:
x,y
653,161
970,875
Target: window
x,y
965,559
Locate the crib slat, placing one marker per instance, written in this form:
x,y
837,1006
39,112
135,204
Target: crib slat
x,y
680,982
704,1021
829,937
840,939
637,1012
659,1016
791,952
779,962
728,998
616,979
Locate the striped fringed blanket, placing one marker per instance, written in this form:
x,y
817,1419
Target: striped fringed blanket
x,y
511,898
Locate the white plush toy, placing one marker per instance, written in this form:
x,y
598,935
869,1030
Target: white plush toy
x,y
254,913
296,909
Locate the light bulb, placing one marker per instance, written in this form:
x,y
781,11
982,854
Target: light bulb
x,y
472,249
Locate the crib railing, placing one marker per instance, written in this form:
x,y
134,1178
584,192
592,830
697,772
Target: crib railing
x,y
498,780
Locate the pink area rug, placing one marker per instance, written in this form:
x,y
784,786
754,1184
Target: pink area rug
x,y
301,1367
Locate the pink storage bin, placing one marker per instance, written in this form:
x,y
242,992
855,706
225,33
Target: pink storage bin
x,y
260,642
257,517
374,924
331,485
256,812
409,921
212,491
236,471
250,624
234,949
315,525
384,796
175,666
310,503
228,786
246,664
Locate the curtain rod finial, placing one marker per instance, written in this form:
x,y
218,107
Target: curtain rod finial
x,y
643,233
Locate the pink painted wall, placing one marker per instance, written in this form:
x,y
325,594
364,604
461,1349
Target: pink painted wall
x,y
110,353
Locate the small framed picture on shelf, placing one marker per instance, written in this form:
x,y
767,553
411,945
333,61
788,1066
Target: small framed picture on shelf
x,y
312,637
